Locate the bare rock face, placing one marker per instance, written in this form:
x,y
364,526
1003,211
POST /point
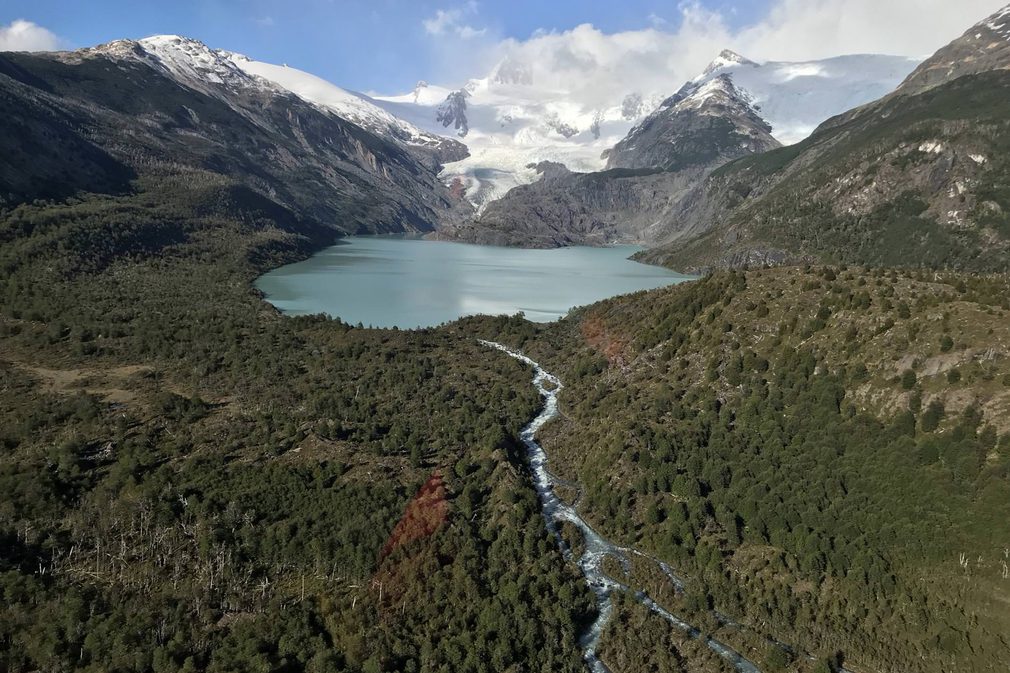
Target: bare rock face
x,y
708,123
453,112
632,106
512,71
418,88
565,208
564,129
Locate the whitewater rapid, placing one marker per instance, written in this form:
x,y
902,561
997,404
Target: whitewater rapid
x,y
597,547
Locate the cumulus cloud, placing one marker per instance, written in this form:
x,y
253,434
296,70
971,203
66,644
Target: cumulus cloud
x,y
656,21
454,22
657,59
21,35
805,29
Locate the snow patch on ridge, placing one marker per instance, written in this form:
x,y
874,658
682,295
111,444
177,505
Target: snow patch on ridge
x,y
345,104
195,65
999,23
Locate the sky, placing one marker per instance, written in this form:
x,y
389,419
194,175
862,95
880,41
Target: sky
x,y
388,45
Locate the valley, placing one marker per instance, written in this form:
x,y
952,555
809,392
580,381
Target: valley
x,y
299,379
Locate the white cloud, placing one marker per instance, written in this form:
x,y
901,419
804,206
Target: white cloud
x,y
593,65
437,24
656,21
804,29
469,32
23,35
453,22
265,21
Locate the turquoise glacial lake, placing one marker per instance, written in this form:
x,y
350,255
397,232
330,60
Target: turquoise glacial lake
x,y
383,281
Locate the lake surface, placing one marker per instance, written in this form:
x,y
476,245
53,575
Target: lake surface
x,y
383,281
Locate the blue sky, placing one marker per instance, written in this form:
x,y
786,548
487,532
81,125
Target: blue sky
x,y
387,45
362,44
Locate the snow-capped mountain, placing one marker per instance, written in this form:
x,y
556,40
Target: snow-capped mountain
x,y
215,71
795,97
491,133
843,197
703,127
706,123
510,124
168,103
352,106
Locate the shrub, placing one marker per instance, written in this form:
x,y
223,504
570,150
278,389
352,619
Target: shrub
x,y
934,414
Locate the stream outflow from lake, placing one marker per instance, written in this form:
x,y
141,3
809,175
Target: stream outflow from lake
x,y
597,547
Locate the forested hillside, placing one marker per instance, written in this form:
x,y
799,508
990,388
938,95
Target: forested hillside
x,y
193,482
823,452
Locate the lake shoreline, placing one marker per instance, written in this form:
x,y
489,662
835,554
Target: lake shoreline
x,y
411,282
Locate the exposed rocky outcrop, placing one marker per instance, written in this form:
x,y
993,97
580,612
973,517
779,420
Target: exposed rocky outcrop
x,y
702,124
453,112
984,47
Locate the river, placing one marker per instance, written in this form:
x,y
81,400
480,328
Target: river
x,y
597,547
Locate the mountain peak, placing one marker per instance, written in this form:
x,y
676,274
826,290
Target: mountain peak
x,y
200,67
726,59
682,131
730,55
718,90
512,71
169,39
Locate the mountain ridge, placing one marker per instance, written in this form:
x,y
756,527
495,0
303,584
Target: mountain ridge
x,y
925,160
199,111
511,126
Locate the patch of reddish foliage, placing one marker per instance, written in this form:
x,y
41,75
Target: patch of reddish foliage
x,y
601,340
424,515
457,188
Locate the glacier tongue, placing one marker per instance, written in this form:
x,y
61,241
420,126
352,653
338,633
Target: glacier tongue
x,y
511,125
